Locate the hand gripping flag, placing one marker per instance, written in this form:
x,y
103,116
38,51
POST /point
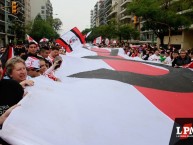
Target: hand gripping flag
x,y
71,39
102,99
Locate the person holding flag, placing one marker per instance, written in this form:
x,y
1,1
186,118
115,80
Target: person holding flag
x,y
31,51
11,93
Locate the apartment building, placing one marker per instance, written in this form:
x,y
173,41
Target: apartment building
x,y
91,19
8,20
27,11
106,10
124,17
2,24
95,16
108,5
115,10
42,7
102,18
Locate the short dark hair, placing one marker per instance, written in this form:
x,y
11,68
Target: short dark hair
x,y
44,48
55,48
176,52
30,43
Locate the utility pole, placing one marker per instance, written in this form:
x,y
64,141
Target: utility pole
x,y
6,12
6,25
14,10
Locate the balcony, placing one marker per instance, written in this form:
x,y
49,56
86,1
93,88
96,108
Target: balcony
x,y
125,17
125,2
114,11
2,23
108,7
2,2
108,2
123,11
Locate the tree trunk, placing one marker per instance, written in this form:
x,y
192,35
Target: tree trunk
x,y
169,39
119,38
161,37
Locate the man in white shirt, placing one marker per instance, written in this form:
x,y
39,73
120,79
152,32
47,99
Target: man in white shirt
x,y
155,56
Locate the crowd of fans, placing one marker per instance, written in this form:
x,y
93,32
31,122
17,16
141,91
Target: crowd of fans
x,y
166,55
32,60
170,56
28,62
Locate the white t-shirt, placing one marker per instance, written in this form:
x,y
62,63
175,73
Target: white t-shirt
x,y
168,60
154,58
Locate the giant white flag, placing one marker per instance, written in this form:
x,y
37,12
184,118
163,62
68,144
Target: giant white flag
x,y
71,39
101,100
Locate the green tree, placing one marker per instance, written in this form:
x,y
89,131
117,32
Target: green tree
x,y
43,28
112,30
162,16
57,23
127,31
19,30
85,31
28,27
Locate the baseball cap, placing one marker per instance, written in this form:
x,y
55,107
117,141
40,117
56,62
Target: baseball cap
x,y
32,63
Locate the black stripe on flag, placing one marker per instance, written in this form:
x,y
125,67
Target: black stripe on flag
x,y
78,34
65,43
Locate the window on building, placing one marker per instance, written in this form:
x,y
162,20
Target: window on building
x,y
42,12
42,7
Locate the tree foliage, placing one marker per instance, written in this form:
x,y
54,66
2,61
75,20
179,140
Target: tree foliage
x,y
43,28
57,23
164,17
19,30
112,30
126,32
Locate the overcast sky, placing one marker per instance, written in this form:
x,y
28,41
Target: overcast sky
x,y
73,13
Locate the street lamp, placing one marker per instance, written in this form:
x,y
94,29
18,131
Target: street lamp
x,y
54,14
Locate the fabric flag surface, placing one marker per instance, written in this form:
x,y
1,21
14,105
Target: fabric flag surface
x,y
44,40
88,34
97,40
9,53
30,39
101,101
71,39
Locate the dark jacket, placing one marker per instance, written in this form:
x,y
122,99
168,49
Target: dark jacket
x,y
181,61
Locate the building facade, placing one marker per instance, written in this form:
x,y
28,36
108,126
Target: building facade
x,y
105,10
2,24
124,17
108,5
27,11
102,18
9,21
116,9
95,16
42,7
